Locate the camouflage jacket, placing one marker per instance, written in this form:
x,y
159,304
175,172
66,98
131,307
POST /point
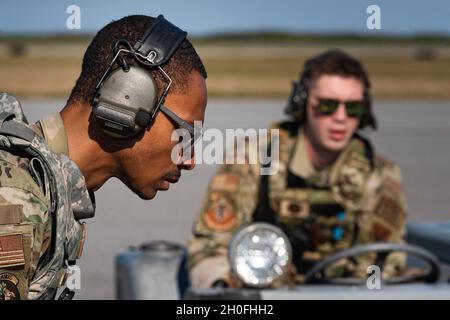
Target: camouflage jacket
x,y
362,191
42,197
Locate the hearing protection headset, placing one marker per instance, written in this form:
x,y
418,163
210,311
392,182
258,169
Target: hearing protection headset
x,y
298,100
125,99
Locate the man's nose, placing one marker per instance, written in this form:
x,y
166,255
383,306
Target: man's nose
x,y
188,164
341,113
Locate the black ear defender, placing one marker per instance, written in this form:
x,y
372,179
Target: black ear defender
x,y
298,99
125,99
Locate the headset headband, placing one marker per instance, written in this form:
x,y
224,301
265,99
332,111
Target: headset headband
x,y
160,41
128,103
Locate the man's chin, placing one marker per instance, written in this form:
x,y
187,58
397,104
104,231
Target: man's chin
x,y
144,193
147,194
336,146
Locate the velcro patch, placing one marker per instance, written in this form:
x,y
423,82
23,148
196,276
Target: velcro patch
x,y
392,186
389,210
221,213
10,214
11,250
294,209
380,233
9,287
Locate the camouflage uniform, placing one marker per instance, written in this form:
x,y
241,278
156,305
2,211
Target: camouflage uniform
x,y
358,199
42,197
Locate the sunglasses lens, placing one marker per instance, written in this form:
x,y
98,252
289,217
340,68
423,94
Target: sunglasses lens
x,y
188,145
187,151
355,109
327,107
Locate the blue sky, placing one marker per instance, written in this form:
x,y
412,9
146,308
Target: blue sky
x,y
200,17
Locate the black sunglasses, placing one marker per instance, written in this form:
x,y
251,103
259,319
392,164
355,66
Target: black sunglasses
x,y
354,109
188,142
178,120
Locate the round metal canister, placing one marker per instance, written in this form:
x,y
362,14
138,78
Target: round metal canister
x,y
153,271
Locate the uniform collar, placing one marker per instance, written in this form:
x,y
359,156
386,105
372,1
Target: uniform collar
x,y
51,128
300,164
82,200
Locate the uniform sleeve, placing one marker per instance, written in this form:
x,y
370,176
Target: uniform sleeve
x,y
384,215
25,232
230,201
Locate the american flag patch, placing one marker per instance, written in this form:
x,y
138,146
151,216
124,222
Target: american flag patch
x,y
11,250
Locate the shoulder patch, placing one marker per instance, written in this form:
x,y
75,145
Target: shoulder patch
x,y
220,213
380,232
390,211
9,287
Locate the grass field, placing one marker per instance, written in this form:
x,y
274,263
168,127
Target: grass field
x,y
261,69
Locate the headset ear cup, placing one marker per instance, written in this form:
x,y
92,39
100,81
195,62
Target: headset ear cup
x,y
368,119
95,103
125,103
95,100
303,102
296,101
372,121
291,103
142,119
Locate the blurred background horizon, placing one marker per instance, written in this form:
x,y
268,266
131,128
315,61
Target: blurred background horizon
x,y
252,50
204,17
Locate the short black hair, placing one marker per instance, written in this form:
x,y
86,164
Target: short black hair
x,y
335,62
99,55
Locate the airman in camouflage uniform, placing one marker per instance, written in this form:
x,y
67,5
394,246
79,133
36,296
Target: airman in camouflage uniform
x,y
44,195
355,199
31,263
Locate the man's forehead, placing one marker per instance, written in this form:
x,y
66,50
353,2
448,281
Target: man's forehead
x,y
189,101
190,108
338,86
